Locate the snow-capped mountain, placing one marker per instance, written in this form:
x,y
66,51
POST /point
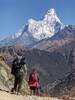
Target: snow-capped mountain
x,y
35,31
46,27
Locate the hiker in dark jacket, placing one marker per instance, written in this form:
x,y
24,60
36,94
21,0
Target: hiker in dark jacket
x,y
34,82
19,70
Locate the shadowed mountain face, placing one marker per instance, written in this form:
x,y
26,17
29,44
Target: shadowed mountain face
x,y
50,65
63,87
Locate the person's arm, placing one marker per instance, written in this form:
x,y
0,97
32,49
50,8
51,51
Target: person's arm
x,y
13,67
25,69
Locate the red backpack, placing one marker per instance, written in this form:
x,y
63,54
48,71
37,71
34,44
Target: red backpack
x,y
33,77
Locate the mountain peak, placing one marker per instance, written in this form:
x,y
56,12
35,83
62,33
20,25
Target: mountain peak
x,y
47,27
51,16
51,11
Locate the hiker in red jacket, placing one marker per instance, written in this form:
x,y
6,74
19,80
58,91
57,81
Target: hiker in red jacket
x,y
34,82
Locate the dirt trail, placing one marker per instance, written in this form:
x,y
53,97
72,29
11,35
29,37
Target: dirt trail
x,y
8,96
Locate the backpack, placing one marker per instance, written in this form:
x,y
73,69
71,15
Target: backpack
x,y
33,77
19,68
15,66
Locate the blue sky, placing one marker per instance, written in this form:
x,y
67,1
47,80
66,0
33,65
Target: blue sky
x,y
15,13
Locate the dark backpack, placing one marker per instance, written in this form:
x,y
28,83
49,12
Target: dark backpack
x,y
19,68
15,66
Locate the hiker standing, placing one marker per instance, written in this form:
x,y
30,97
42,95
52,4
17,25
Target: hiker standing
x,y
19,70
34,82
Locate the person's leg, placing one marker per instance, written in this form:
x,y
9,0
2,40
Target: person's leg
x,y
31,90
19,87
20,81
34,90
15,85
37,91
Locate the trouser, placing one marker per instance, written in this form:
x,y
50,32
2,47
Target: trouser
x,y
17,83
34,90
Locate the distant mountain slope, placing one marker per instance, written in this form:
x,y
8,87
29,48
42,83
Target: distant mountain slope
x,y
62,87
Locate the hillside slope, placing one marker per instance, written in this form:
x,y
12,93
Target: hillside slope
x,y
7,80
